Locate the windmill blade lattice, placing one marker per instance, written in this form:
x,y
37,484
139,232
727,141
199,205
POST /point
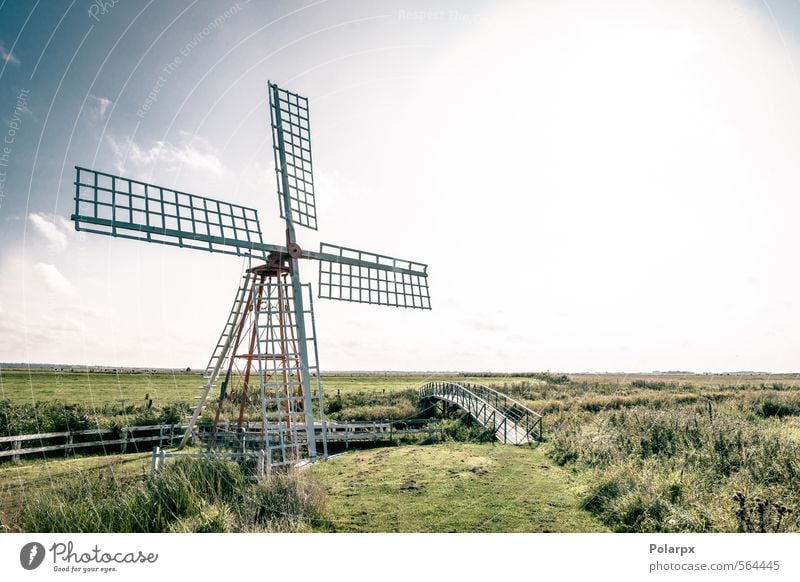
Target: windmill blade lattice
x,y
357,276
122,207
291,144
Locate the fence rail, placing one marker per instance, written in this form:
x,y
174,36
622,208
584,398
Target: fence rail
x,y
252,438
70,441
144,438
511,421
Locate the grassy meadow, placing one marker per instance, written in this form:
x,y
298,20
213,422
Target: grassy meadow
x,y
626,453
34,401
99,389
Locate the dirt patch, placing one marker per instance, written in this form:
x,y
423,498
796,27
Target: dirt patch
x,y
409,485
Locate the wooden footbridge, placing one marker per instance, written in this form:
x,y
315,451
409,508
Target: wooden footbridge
x,y
511,421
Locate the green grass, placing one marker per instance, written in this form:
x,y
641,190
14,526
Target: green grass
x,y
434,488
461,487
694,467
101,388
96,389
33,477
186,495
696,380
635,453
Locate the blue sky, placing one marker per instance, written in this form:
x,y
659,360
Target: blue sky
x,y
594,187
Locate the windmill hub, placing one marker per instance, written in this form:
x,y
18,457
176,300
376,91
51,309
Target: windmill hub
x,y
294,250
266,354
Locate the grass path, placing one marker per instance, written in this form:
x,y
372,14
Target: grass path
x,y
452,487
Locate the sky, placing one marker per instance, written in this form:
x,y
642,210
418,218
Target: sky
x,y
595,186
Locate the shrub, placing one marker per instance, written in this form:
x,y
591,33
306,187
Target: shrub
x,y
174,413
333,406
649,384
464,430
43,417
605,492
375,413
287,501
778,406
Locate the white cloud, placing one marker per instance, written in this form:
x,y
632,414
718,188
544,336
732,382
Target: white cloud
x,y
485,325
7,56
190,151
54,231
97,107
53,279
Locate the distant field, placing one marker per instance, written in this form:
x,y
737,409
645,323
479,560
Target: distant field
x,y
98,389
698,380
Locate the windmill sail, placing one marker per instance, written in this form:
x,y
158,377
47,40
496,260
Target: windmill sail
x,y
121,207
291,144
362,277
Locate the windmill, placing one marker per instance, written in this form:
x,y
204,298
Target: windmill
x,y
267,351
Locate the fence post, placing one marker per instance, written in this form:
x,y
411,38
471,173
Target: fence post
x,y
69,444
154,460
16,447
260,465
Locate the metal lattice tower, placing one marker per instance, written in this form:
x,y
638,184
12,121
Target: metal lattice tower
x,y
267,351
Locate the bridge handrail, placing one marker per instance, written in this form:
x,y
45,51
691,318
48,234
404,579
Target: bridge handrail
x,y
504,397
460,387
522,416
476,406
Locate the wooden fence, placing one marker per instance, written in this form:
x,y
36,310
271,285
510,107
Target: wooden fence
x,y
118,440
144,438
